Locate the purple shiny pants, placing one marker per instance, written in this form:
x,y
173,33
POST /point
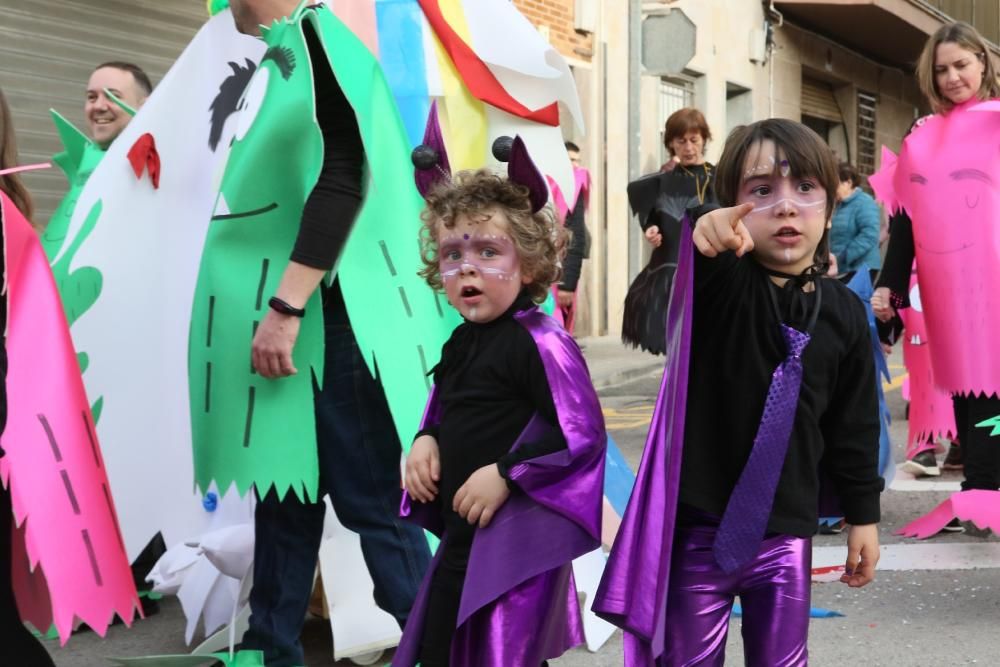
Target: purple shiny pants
x,y
773,590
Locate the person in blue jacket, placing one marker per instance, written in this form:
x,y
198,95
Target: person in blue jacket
x,y
854,237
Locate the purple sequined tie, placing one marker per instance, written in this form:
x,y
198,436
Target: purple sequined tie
x,y
745,519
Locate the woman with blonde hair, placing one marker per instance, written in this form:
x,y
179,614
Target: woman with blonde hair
x,y
944,179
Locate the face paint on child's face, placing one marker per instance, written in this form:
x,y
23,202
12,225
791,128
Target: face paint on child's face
x,y
480,267
789,214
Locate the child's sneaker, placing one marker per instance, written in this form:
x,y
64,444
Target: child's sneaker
x,y
953,526
922,465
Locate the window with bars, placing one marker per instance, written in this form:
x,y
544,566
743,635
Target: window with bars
x,y
866,133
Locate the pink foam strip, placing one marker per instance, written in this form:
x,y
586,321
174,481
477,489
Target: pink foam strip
x,y
931,523
53,465
26,167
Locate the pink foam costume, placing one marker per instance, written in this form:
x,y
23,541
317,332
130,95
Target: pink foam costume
x,y
947,178
69,560
931,412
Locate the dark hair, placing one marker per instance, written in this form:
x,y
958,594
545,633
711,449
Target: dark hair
x,y
807,155
141,78
539,239
683,121
847,172
570,146
11,183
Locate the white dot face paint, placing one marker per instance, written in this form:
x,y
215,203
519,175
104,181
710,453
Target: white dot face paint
x,y
789,215
480,267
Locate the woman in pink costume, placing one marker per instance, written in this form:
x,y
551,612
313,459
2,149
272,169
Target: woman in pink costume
x,y
945,179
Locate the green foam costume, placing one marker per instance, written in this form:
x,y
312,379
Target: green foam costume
x,y
78,159
251,430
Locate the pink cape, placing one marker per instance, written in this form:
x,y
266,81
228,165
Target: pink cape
x,y
946,179
931,412
69,558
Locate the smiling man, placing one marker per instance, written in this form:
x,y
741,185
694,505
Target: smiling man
x,y
105,118
80,157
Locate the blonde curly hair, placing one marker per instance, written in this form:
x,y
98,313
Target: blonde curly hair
x,y
539,239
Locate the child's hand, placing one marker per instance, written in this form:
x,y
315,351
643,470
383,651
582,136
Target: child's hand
x,y
722,230
882,304
862,555
481,496
423,469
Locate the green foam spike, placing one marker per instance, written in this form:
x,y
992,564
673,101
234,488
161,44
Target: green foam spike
x,y
991,422
117,100
74,144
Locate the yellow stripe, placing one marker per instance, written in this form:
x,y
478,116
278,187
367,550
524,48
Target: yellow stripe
x,y
463,117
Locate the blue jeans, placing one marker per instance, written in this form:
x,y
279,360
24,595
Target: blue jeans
x,y
359,454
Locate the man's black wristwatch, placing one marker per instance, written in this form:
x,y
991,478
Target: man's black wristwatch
x,y
285,308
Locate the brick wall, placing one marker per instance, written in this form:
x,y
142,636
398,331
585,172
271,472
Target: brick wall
x,y
556,17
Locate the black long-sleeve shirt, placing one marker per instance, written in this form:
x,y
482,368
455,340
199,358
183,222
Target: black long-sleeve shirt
x,y
898,263
490,383
736,346
336,198
573,263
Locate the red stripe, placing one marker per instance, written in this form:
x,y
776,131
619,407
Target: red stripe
x,y
476,75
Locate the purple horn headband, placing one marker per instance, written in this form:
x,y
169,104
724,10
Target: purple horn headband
x,y
432,167
522,170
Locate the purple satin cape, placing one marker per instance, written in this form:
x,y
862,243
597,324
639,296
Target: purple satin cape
x,y
519,603
633,591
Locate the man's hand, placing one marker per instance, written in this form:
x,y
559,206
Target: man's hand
x,y
481,496
722,230
862,555
882,304
273,344
654,236
423,469
564,298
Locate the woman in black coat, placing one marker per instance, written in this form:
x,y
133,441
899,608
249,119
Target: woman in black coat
x,y
660,201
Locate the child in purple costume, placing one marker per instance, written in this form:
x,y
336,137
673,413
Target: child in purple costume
x,y
781,404
508,466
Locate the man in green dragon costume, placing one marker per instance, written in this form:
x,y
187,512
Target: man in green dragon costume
x,y
307,308
114,91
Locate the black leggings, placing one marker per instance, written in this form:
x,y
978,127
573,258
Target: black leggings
x,y
17,644
980,450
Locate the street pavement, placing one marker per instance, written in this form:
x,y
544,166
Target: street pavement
x,y
937,604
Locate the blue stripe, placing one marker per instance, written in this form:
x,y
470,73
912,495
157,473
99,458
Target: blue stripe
x,y
618,478
401,52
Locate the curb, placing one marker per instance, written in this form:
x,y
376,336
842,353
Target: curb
x,y
625,375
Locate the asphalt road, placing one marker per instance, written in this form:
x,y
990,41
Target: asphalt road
x,y
938,606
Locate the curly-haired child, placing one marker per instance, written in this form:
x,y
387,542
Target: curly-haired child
x,y
508,466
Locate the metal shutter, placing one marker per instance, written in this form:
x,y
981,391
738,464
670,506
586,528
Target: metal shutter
x,y
818,100
48,49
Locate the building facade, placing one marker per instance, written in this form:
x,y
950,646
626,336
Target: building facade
x,y
842,67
